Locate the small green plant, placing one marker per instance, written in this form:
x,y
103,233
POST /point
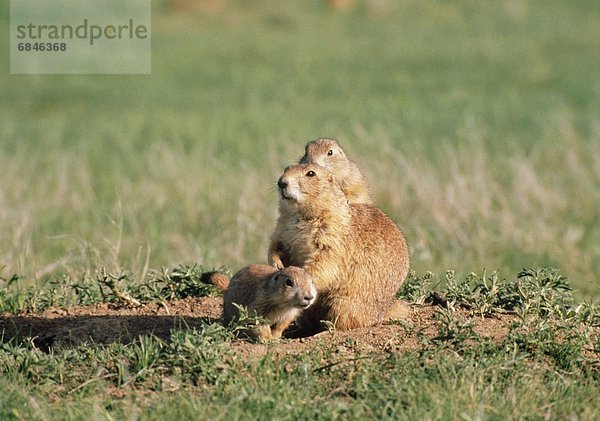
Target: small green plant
x,y
457,290
12,297
542,292
416,289
146,352
244,322
184,281
486,293
114,284
454,329
328,325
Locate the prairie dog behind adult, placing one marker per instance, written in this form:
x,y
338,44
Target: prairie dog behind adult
x,y
327,153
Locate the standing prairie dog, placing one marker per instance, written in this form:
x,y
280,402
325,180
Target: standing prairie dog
x,y
278,296
357,255
327,153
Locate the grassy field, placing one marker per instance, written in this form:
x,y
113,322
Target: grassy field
x,y
496,349
477,124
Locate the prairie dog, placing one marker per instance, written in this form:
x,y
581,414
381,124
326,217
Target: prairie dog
x,y
357,255
278,296
327,153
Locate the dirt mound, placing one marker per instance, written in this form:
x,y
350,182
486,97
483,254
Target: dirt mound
x,y
107,323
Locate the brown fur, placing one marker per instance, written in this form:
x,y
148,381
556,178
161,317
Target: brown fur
x,y
218,279
278,296
327,153
357,255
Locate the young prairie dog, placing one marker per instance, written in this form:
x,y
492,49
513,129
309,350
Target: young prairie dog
x,y
278,296
327,153
357,255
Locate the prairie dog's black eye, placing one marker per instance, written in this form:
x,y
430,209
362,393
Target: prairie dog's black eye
x,y
311,173
289,282
330,152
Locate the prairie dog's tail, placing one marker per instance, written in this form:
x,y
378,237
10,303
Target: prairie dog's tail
x,y
398,310
217,279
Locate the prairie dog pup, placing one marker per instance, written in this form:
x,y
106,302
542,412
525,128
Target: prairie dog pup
x,y
278,296
357,255
327,153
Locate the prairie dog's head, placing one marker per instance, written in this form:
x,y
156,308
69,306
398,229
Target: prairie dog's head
x,y
306,184
292,286
327,153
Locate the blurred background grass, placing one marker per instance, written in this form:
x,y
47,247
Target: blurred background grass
x,y
477,124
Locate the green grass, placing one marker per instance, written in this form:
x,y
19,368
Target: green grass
x,y
477,124
545,366
448,387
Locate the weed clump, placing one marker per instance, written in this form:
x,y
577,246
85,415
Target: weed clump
x,y
121,287
541,292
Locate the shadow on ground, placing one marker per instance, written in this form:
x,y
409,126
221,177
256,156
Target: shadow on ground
x,y
105,323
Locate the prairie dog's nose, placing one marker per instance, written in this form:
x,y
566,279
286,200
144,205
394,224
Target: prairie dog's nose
x,y
309,297
281,183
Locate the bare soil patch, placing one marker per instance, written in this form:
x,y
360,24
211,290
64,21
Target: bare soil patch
x,y
106,323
